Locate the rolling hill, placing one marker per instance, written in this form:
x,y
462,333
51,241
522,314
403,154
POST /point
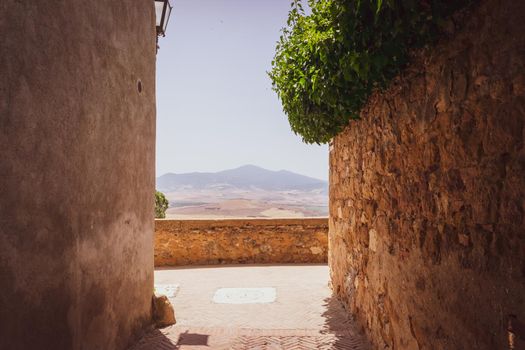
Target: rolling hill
x,y
244,177
247,191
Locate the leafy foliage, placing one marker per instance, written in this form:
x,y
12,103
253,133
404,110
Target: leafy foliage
x,y
328,62
161,205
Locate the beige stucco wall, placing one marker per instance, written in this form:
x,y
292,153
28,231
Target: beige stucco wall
x,y
240,241
427,224
77,172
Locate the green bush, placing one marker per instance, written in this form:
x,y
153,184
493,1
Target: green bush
x,y
161,205
327,63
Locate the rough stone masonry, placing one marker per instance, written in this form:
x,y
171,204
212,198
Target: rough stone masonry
x,y
427,193
240,241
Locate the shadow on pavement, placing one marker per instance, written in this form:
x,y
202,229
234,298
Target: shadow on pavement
x,y
339,322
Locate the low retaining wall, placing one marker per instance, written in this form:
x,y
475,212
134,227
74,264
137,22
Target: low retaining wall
x,y
240,241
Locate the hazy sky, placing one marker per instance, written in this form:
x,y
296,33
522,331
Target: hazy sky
x,y
215,106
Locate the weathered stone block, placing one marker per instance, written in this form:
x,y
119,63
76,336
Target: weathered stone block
x,y
163,313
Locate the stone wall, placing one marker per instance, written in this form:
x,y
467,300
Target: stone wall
x,y
77,139
240,241
427,193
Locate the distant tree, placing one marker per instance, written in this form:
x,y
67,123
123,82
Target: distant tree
x,y
161,204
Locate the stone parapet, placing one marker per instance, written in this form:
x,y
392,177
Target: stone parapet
x,y
240,241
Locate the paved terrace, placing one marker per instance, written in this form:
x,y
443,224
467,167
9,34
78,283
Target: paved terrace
x,y
280,307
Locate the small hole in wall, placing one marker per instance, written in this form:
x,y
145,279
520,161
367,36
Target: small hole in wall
x,y
139,86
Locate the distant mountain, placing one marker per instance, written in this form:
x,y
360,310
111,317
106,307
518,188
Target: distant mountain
x,y
244,177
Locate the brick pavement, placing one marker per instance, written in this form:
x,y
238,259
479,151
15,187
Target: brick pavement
x,y
303,316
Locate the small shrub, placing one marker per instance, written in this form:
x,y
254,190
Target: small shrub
x,y
161,205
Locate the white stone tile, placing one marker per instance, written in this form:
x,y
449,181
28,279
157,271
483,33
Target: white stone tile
x,y
263,295
169,290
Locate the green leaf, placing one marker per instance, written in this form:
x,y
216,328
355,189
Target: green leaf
x,y
327,63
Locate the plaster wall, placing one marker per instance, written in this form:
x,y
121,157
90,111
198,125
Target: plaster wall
x,y
77,138
427,193
240,241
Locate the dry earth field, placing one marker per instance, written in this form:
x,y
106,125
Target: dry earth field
x,y
255,203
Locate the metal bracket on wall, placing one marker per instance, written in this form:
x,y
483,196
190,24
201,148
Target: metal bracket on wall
x,y
515,330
